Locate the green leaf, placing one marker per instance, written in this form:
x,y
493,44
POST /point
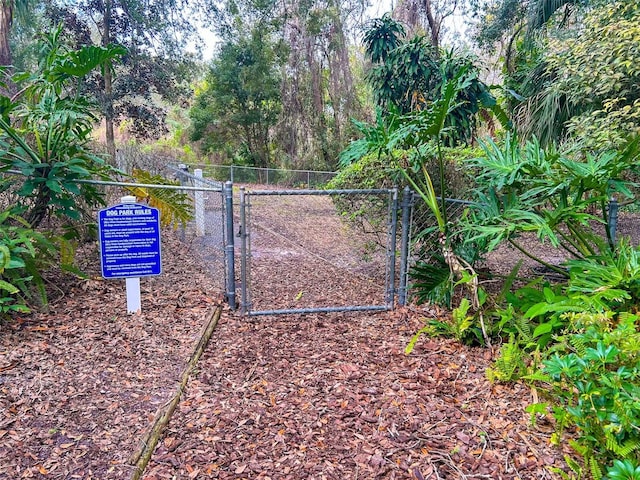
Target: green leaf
x,y
8,287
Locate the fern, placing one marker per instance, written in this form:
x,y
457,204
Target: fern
x,y
576,470
579,343
523,326
509,365
175,207
620,450
594,468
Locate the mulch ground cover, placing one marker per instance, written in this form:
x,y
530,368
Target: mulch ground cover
x,y
317,396
79,385
335,397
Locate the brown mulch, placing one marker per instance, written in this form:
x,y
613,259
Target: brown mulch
x,y
322,396
80,385
335,397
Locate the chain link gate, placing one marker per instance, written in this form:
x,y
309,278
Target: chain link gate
x,y
316,251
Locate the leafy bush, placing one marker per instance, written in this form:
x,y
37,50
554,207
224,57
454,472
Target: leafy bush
x,y
593,373
21,249
624,470
550,193
46,129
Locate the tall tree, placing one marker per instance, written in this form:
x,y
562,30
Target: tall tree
x,y
8,8
427,17
521,29
240,102
6,19
318,87
575,75
155,34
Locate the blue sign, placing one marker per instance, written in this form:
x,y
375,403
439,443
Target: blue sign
x,y
129,241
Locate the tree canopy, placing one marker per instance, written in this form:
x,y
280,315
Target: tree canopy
x,y
240,99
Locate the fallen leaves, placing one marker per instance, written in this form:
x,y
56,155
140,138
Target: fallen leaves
x,y
79,384
297,397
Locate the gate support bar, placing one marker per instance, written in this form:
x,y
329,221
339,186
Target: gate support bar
x,y
407,203
392,228
300,311
229,246
245,304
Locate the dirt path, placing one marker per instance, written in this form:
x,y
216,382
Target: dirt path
x,y
80,385
305,255
334,396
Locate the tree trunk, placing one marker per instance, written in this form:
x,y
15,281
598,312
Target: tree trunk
x,y
108,86
434,24
6,18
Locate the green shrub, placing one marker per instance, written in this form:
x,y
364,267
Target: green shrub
x,y
21,249
593,375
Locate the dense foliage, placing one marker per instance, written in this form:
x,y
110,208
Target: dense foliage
x,y
240,101
571,90
45,132
409,75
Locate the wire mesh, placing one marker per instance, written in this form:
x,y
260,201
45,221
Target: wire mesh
x,y
275,177
208,241
424,228
507,257
319,250
207,231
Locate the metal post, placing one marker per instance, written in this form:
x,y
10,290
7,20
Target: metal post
x,y
407,202
392,249
232,181
613,220
244,302
199,205
229,246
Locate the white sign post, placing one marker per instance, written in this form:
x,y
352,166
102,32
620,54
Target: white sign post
x,y
134,302
130,245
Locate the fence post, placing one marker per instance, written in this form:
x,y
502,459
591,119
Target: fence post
x,y
232,181
182,169
407,202
244,303
613,220
229,246
393,227
199,205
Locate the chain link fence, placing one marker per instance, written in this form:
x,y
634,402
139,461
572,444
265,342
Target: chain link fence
x,y
274,177
207,232
425,245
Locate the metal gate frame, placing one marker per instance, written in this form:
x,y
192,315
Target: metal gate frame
x,y
392,223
